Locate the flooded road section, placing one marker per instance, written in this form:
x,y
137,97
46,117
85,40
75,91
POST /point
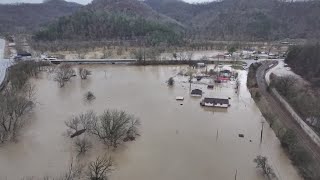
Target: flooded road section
x,y
177,142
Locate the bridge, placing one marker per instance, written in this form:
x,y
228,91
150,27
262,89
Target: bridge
x,y
95,61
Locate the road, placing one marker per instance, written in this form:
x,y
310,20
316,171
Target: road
x,y
283,115
4,63
96,61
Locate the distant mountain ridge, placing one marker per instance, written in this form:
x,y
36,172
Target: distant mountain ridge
x,y
27,17
247,20
169,20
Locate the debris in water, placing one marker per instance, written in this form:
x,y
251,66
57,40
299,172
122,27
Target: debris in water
x,y
241,135
78,133
179,98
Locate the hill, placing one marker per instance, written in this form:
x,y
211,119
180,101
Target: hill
x,y
304,60
114,19
246,20
28,17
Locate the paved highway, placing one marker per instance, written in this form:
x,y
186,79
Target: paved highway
x,y
4,63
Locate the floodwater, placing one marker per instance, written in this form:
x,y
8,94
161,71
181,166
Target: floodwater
x,y
177,142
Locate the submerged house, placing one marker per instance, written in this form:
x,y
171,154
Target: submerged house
x,y
215,102
23,56
196,93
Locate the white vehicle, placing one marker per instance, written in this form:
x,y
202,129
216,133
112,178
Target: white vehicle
x,y
50,58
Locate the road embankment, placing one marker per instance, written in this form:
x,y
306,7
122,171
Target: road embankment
x,y
300,147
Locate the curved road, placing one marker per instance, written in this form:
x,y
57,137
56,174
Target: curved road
x,y
283,115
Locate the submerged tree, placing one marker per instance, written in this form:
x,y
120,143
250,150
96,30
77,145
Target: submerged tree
x,y
84,73
262,163
170,81
63,74
82,145
114,127
99,169
89,96
80,122
14,104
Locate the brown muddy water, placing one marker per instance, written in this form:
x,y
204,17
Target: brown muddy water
x,y
177,142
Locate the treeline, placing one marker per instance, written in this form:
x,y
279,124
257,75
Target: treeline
x,y
98,25
304,60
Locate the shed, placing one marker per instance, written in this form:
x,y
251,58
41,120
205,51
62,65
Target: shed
x,y
24,54
196,92
210,86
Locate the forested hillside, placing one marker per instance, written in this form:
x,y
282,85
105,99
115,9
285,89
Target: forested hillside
x,y
114,19
26,17
167,20
305,61
247,20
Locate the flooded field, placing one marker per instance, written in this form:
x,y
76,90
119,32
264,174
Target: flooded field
x,y
177,142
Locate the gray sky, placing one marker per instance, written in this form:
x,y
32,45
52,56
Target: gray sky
x,y
78,1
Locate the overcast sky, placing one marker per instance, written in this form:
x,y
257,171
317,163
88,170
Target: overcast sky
x,y
78,1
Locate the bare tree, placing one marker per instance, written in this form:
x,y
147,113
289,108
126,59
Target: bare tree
x,y
84,73
189,55
13,105
82,145
114,126
80,122
284,84
99,169
262,162
63,74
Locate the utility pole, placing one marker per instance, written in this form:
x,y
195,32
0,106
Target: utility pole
x,y
144,53
217,135
235,176
261,131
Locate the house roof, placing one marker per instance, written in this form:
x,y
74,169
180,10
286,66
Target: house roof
x,y
225,71
24,54
196,91
216,101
